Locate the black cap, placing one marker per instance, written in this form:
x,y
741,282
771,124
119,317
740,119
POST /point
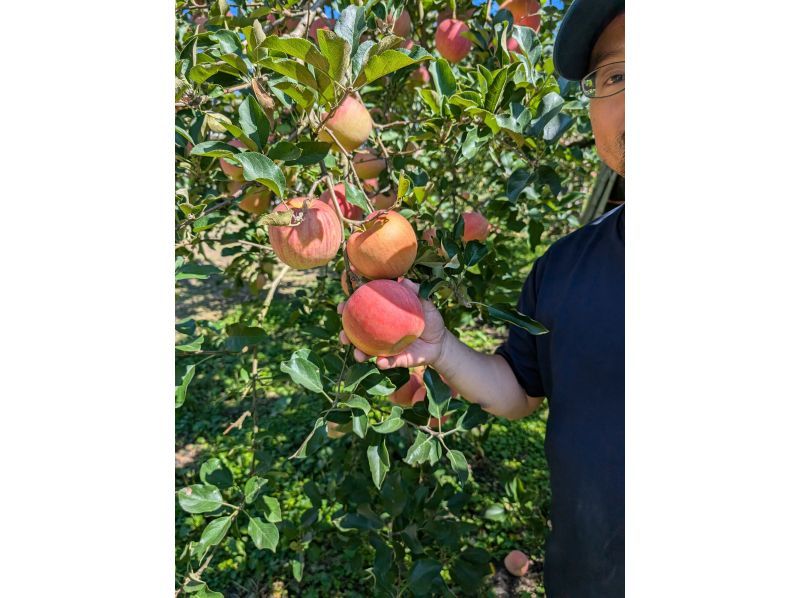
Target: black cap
x,y
579,31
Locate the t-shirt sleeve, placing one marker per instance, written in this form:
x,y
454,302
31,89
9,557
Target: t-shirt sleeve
x,y
519,349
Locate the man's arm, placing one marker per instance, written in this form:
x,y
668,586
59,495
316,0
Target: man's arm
x,y
483,379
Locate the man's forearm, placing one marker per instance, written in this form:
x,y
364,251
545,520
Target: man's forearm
x,y
483,379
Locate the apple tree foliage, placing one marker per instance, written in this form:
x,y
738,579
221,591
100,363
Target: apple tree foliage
x,y
498,133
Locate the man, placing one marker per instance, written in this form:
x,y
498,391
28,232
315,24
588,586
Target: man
x,y
577,291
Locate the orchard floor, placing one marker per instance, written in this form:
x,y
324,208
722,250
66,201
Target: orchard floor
x,y
506,451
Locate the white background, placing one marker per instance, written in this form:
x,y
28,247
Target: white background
x,y
712,299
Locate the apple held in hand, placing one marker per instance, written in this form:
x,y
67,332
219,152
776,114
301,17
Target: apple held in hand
x,y
383,317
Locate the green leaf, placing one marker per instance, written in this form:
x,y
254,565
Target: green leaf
x,y
234,65
213,149
403,185
239,337
356,373
228,41
495,512
256,39
264,533
253,487
207,222
254,121
418,452
443,78
356,402
215,531
384,556
423,573
392,423
474,252
473,142
199,73
192,346
198,271
303,97
273,509
365,50
378,458
297,570
496,87
459,463
548,109
458,229
361,520
470,568
431,98
351,24
292,69
507,313
299,48
194,586
285,151
529,42
257,167
302,371
379,385
180,390
215,473
356,196
517,182
383,64
438,392
472,417
300,453
186,326
547,176
199,498
311,153
360,425
337,52
435,453
516,120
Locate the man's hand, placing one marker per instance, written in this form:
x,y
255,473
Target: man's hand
x,y
426,350
483,379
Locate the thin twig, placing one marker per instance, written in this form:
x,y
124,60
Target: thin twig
x,y
271,294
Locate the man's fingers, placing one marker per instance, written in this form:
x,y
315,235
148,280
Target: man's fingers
x,y
340,308
360,355
384,363
343,338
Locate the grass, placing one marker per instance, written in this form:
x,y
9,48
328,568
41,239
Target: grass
x,y
505,504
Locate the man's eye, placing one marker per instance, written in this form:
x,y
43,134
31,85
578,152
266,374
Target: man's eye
x,y
616,79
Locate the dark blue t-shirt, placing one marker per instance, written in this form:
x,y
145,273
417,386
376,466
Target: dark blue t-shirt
x,y
577,290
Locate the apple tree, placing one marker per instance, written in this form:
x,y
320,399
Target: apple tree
x,y
338,147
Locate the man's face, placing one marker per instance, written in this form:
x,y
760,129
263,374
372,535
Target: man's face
x,y
608,114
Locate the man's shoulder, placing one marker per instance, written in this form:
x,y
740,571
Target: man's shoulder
x,y
605,226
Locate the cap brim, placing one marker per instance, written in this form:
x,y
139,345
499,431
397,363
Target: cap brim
x,y
579,31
